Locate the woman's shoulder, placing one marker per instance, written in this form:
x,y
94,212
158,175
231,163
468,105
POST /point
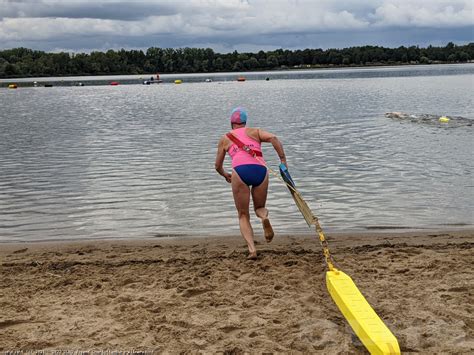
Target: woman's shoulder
x,y
225,142
252,129
253,132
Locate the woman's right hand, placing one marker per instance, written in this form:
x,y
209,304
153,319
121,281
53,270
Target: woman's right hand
x,y
228,177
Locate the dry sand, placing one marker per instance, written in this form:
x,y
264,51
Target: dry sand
x,y
202,295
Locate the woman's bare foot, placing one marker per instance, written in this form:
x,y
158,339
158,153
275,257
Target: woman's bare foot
x,y
267,230
252,256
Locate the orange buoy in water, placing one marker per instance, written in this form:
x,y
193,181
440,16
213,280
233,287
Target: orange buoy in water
x,y
114,83
240,78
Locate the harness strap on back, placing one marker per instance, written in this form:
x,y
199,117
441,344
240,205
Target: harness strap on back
x,y
243,146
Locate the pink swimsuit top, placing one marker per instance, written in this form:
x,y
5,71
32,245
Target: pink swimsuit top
x,y
241,157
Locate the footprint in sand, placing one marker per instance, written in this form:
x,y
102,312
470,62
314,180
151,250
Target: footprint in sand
x,y
229,328
191,292
12,322
290,263
458,289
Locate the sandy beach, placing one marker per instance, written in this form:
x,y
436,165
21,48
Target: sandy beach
x,y
202,295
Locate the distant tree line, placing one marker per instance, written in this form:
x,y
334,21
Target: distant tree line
x,y
23,62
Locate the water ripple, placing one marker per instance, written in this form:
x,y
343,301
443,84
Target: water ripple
x,y
101,162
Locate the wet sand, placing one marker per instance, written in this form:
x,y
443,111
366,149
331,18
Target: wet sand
x,y
202,295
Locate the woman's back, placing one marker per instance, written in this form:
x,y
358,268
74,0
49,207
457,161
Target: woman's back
x,y
241,157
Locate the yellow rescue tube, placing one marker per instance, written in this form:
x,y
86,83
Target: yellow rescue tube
x,y
370,329
12,86
178,81
444,119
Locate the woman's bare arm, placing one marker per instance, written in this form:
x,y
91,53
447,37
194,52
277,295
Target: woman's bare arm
x,y
268,137
219,165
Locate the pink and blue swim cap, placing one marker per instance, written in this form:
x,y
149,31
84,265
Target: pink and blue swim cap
x,y
238,115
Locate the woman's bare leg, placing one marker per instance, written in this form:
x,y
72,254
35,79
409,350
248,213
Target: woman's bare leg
x,y
259,197
241,194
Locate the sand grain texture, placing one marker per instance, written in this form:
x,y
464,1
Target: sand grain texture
x,y
202,294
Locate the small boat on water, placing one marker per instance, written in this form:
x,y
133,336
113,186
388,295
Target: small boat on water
x,y
12,86
241,78
153,80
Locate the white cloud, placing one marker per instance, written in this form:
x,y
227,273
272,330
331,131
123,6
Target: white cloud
x,y
423,13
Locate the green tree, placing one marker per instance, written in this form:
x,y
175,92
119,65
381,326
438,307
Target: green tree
x,y
27,62
424,60
251,64
10,70
463,57
237,66
219,64
272,62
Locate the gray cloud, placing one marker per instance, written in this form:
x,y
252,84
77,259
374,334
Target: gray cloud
x,y
116,11
231,24
106,10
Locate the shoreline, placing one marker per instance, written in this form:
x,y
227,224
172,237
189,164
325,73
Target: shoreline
x,y
391,231
201,294
168,78
173,74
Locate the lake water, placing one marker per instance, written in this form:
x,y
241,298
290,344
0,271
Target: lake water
x,y
135,161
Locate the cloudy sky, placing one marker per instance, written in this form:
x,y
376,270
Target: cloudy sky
x,y
226,25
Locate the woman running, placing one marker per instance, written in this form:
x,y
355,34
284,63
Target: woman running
x,y
250,175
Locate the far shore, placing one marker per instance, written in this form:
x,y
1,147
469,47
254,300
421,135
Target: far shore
x,y
169,77
200,294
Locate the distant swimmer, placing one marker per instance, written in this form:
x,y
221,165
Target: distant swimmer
x,y
250,175
396,115
438,120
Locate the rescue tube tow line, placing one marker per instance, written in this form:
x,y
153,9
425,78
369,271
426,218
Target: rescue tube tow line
x,y
367,325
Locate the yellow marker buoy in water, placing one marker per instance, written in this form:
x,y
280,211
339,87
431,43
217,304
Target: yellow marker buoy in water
x,y
444,119
178,81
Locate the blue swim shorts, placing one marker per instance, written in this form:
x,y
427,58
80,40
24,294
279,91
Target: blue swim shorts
x,y
251,174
